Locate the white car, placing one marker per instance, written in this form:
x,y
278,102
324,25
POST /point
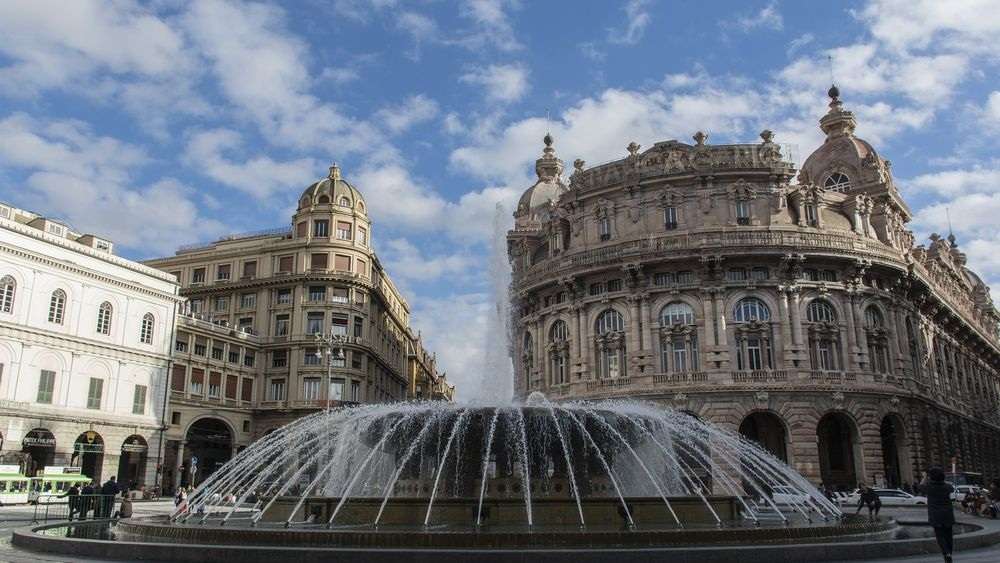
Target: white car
x,y
890,497
788,495
962,490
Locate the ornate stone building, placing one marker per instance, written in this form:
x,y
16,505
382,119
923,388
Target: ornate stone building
x,y
799,313
246,355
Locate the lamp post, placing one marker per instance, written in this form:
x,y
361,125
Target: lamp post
x,y
334,345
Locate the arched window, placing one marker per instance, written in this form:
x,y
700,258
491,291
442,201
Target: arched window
x,y
344,202
361,206
528,358
146,330
7,288
837,182
878,357
678,338
820,311
610,343
324,199
559,332
677,314
610,321
873,318
104,318
751,309
57,306
559,352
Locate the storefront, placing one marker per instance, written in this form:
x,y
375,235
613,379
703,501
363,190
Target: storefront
x,y
40,446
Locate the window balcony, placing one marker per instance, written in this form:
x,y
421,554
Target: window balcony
x,y
759,376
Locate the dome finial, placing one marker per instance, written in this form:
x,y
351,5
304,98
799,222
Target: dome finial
x,y
547,139
833,92
334,172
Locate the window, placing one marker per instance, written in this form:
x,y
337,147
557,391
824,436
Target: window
x,y
812,215
104,318
317,293
597,288
310,388
321,228
234,356
7,287
873,318
175,418
559,335
217,353
810,274
677,314
743,212
359,327
197,381
337,389
146,330
195,305
250,269
249,359
199,348
664,278
362,268
670,218
736,274
221,304
246,423
214,385
279,358
759,274
614,285
340,295
286,264
281,325
755,359
826,359
248,300
338,324
877,340
357,360
232,382
46,385
284,297
302,229
314,322
319,261
198,275
363,236
604,228
246,392
820,311
276,391
610,321
178,378
94,393
685,277
342,263
355,391
837,182
344,202
751,309
828,275
559,332
343,230
223,271
57,306
312,357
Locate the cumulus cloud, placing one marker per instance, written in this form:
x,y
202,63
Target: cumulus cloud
x,y
413,111
767,18
455,326
501,82
492,25
968,26
410,263
798,43
951,183
636,19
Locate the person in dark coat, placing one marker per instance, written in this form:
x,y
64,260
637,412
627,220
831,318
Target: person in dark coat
x,y
870,499
74,501
87,499
109,491
940,512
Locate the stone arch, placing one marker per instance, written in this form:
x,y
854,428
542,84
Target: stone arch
x,y
597,309
736,296
768,430
210,443
88,454
132,463
839,440
662,301
551,321
834,301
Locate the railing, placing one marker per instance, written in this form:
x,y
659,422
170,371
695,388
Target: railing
x,y
759,376
74,507
320,403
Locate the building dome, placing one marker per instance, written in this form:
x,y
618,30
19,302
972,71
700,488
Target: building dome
x,y
333,190
549,186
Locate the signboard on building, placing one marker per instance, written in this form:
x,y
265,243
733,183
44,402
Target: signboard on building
x,y
39,438
60,470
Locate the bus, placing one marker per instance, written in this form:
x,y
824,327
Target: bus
x,y
964,478
54,481
13,485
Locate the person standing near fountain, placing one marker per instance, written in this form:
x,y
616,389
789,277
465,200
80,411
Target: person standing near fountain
x,y
940,513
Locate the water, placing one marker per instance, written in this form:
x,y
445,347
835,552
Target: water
x,y
371,462
497,378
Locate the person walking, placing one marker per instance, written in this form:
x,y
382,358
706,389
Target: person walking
x,y
87,499
870,499
125,511
109,491
940,513
74,500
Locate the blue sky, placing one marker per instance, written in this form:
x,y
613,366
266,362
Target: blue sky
x,y
165,123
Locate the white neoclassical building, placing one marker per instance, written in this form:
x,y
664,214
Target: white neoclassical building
x,y
84,351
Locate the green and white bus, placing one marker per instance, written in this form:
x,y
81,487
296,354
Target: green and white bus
x,y
54,481
13,485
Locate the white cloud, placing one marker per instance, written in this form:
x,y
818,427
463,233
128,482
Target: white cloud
x,y
453,124
410,263
767,18
798,43
455,328
413,111
951,183
503,83
969,26
339,75
591,51
636,19
259,176
492,24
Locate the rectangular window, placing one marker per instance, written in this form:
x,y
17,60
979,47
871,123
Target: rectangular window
x,y
246,325
359,327
248,300
684,277
355,391
319,261
317,293
199,348
234,356
337,389
302,229
342,263
276,391
338,324
755,358
357,360
94,393
246,392
223,272
198,275
736,274
214,384
314,322
178,378
181,345
197,305
250,269
828,275
596,288
339,295
279,358
663,278
231,383
246,426
759,274
217,353
175,418
362,268
810,274
281,325
363,236
312,357
310,388
811,216
197,381
221,304
614,285
321,228
343,230
826,357
604,228
283,297
670,218
743,212
286,264
249,359
680,356
46,385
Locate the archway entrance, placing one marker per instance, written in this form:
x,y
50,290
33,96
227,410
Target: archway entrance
x,y
895,451
132,463
88,454
209,447
40,447
837,442
767,430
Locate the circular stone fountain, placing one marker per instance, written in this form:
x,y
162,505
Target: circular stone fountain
x,y
440,475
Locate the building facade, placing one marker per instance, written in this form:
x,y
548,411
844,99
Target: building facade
x,y
425,384
85,342
247,356
799,313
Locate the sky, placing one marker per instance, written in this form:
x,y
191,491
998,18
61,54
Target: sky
x,y
165,123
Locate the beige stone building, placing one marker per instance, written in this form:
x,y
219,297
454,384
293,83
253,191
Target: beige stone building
x,y
246,355
425,383
787,304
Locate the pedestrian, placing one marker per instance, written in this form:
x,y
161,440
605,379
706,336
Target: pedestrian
x,y
74,501
940,513
87,499
109,491
869,499
180,497
125,511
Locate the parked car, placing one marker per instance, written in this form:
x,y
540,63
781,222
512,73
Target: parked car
x,y
890,497
962,490
788,495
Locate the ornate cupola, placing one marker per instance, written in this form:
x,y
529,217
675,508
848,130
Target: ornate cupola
x,y
537,200
332,207
838,122
548,167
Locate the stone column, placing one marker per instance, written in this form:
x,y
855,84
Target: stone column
x,y
180,463
785,324
796,318
574,333
633,338
859,327
587,341
708,314
644,343
905,361
894,363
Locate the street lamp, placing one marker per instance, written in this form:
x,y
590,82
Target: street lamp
x,y
334,345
